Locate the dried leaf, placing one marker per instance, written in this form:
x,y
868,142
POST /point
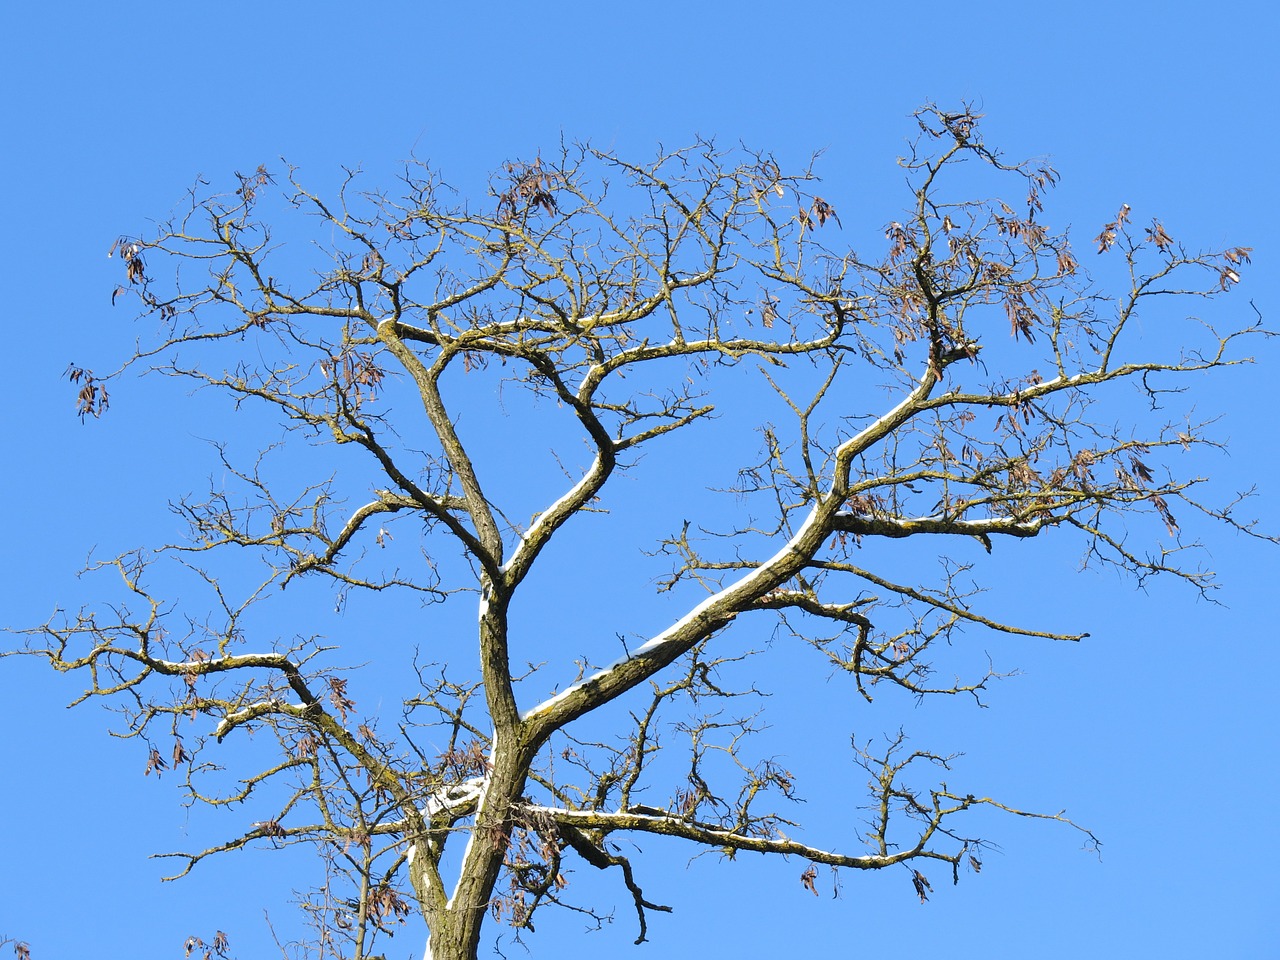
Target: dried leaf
x,y
387,904
1107,237
921,883
338,696
1022,319
898,238
155,762
250,185
1140,468
530,188
359,838
306,745
1157,235
823,211
92,399
1162,508
808,878
768,312
1082,466
131,254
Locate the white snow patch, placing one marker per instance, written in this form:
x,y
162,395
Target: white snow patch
x,y
231,719
454,795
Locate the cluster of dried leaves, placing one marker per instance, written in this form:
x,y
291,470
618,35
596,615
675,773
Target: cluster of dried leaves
x,y
92,399
156,762
531,189
207,951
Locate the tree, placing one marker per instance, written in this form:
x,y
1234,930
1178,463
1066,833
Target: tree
x,y
959,392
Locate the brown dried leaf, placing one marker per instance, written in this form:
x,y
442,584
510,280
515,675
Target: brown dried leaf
x,y
1162,508
769,312
823,211
531,188
921,883
808,878
1106,238
338,696
155,762
1022,475
1022,319
1140,468
1082,466
898,238
1157,235
359,838
92,399
386,903
250,185
131,254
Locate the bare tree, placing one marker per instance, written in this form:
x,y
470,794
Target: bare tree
x,y
958,388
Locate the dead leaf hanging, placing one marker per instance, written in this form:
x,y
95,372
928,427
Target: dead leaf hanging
x,y
921,883
809,878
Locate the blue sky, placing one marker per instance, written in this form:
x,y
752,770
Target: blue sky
x,y
1157,732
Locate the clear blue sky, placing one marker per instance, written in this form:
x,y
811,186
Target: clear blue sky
x,y
1158,732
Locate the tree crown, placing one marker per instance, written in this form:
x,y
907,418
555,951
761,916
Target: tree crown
x,y
470,381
